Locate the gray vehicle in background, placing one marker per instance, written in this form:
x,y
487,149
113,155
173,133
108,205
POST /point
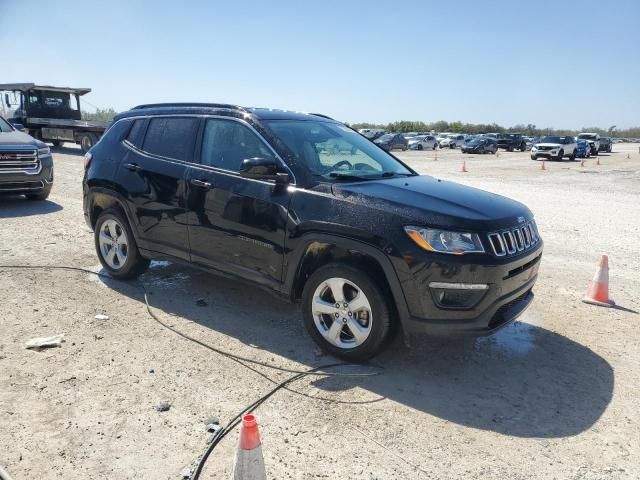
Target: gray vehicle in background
x,y
422,142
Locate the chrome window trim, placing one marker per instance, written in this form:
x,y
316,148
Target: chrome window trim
x,y
198,164
459,286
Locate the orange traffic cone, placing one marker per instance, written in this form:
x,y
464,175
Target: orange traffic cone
x,y
436,157
497,153
628,156
542,167
598,161
249,462
463,168
598,292
582,162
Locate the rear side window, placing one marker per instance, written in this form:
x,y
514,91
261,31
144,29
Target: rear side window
x,y
136,132
226,143
171,137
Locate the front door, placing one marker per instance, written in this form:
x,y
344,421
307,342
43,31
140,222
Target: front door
x,y
236,224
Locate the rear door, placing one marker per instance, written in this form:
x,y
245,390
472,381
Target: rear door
x,y
153,175
236,224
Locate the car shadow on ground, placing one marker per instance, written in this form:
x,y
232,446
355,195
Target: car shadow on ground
x,y
19,206
526,381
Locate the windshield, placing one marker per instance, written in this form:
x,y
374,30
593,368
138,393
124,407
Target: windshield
x,y
552,140
333,151
4,126
474,140
588,136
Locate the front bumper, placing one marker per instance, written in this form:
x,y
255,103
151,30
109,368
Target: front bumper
x,y
508,294
27,182
546,153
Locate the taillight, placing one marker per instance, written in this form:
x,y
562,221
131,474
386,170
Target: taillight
x,y
87,160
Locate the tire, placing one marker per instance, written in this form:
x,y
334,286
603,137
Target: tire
x,y
419,147
40,196
560,155
452,146
57,143
404,148
435,145
523,147
510,148
318,292
87,140
534,157
573,156
134,264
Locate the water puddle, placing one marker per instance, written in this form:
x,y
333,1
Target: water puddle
x,y
518,338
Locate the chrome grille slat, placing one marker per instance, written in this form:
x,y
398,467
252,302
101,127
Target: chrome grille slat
x,y
18,160
514,240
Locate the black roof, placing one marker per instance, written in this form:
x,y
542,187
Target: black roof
x,y
218,109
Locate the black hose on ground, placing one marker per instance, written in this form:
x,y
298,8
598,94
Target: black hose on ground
x,y
244,361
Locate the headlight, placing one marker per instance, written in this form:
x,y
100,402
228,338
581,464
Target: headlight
x,y
44,152
534,149
456,243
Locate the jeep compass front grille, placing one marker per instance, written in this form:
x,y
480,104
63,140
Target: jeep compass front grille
x,y
514,240
18,160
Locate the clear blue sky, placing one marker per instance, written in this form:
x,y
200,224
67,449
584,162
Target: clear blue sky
x,y
556,63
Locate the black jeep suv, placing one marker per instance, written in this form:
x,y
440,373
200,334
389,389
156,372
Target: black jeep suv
x,y
26,165
364,242
511,142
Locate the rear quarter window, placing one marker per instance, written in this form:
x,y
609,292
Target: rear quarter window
x,y
171,137
136,133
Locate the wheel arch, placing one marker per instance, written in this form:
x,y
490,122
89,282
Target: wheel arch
x,y
318,250
101,199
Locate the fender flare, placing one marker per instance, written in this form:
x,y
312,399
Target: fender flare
x,y
294,263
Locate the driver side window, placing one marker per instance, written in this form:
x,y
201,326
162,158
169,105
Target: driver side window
x,y
226,143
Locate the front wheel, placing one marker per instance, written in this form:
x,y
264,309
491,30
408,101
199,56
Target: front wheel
x,y
534,157
40,196
419,147
346,312
116,246
560,155
573,156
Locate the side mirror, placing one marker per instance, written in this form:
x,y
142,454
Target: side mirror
x,y
17,126
263,169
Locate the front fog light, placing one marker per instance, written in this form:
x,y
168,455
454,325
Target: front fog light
x,y
457,295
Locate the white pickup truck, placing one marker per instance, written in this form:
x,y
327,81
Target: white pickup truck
x,y
555,147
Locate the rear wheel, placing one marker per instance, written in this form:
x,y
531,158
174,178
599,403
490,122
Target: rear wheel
x,y
57,143
116,246
87,140
345,312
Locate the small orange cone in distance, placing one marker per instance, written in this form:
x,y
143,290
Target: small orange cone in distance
x,y
249,462
436,157
463,168
598,161
598,292
542,167
582,162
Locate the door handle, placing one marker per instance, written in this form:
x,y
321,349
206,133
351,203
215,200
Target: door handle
x,y
201,184
134,167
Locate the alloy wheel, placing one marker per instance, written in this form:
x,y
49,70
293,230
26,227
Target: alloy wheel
x,y
342,313
114,244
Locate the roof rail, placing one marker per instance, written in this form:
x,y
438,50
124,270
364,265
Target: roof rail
x,y
189,104
321,115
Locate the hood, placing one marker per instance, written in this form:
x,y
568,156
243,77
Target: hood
x,y
554,145
426,200
19,138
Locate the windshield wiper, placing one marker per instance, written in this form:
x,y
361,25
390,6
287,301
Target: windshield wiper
x,y
393,174
348,176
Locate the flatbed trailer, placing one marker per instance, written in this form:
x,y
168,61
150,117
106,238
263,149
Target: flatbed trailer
x,y
52,114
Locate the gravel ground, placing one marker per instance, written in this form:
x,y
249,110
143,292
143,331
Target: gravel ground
x,y
554,396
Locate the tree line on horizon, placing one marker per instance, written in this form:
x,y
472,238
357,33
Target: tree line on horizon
x,y
405,126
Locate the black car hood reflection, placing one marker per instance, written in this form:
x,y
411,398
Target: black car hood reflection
x,y
431,201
